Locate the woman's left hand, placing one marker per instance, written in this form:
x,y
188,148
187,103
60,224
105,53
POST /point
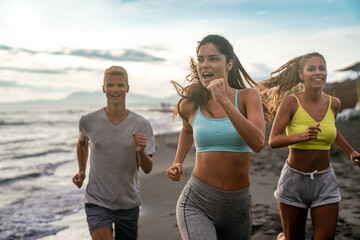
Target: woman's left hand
x,y
217,89
355,156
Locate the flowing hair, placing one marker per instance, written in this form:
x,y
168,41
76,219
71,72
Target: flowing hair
x,y
195,92
284,81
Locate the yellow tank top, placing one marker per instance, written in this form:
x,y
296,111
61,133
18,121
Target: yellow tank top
x,y
302,120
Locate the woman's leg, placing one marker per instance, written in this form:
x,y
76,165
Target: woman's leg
x,y
324,220
293,220
192,212
192,221
233,217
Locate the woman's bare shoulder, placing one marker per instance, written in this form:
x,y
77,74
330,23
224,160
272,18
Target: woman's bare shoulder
x,y
249,91
289,103
335,103
186,108
248,94
292,98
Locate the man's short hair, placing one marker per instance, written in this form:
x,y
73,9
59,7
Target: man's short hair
x,y
116,70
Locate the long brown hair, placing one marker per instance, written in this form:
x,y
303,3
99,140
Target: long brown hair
x,y
198,94
285,80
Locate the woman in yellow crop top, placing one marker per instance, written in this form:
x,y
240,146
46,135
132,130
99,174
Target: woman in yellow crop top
x,y
216,201
307,180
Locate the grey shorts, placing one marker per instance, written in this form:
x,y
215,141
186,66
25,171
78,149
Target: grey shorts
x,y
207,213
126,221
307,190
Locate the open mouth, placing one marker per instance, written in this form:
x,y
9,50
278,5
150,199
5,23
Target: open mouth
x,y
207,76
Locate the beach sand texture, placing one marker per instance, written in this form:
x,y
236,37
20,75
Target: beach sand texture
x,y
159,194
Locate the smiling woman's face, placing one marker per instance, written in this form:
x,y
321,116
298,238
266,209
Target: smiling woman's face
x,y
314,72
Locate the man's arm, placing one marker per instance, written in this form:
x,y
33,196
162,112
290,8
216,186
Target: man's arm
x,y
145,161
82,152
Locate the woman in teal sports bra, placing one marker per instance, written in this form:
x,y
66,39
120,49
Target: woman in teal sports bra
x,y
308,116
226,121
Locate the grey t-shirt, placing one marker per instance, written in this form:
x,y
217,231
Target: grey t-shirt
x,y
113,178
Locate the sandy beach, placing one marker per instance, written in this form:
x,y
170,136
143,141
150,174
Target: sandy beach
x,y
159,194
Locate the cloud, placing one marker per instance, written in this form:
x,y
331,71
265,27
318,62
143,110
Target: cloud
x,y
130,55
11,49
37,88
259,71
17,50
261,12
8,84
4,47
129,1
43,71
127,55
47,71
28,51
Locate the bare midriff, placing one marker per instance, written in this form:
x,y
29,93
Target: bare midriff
x,y
227,171
309,160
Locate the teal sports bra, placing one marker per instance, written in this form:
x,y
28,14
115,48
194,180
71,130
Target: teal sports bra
x,y
217,134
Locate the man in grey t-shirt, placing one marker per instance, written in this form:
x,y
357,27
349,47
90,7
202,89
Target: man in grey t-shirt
x,y
120,142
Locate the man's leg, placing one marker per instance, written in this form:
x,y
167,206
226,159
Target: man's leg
x,y
126,223
99,222
102,234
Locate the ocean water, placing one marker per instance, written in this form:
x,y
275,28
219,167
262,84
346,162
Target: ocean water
x,y
37,161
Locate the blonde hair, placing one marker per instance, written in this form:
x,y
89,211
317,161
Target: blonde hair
x,y
116,70
285,80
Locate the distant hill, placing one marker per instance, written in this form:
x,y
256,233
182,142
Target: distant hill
x,y
96,98
99,97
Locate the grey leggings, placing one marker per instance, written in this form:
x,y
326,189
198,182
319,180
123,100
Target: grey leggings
x,y
204,212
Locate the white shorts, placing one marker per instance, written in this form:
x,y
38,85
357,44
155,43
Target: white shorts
x,y
307,190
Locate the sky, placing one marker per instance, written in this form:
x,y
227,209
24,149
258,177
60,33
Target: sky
x,y
52,48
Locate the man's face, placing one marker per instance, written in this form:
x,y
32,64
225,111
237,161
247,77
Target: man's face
x,y
115,88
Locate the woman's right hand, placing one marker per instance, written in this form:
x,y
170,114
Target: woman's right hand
x,y
355,156
175,172
310,133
